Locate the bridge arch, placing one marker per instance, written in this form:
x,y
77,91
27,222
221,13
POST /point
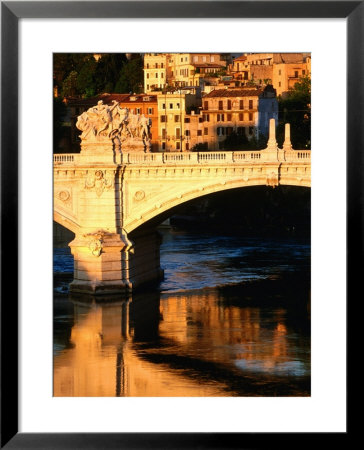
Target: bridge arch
x,y
65,221
154,209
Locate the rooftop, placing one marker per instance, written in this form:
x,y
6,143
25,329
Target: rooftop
x,y
253,92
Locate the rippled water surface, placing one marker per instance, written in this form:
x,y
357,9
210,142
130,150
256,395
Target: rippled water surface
x,y
231,318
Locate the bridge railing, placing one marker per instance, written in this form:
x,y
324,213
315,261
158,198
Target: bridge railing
x,y
173,158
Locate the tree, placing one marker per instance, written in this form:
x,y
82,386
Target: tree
x,y
131,76
237,142
59,112
69,85
295,109
86,85
108,71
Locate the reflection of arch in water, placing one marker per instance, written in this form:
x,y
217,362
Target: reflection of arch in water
x,y
109,360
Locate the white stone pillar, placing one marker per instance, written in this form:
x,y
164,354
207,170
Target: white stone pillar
x,y
271,151
98,263
107,263
287,137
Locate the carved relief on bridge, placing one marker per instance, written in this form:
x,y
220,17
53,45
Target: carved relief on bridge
x,y
114,125
100,180
272,179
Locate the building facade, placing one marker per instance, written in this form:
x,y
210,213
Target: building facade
x,y
162,70
243,111
174,112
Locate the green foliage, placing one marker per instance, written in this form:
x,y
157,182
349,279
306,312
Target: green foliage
x,y
81,75
237,142
200,147
295,108
234,142
131,76
69,85
59,112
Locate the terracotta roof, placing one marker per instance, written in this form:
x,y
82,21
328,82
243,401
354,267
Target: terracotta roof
x,y
108,99
209,65
240,58
234,93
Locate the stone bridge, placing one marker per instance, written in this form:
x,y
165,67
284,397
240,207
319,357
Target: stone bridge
x,y
112,201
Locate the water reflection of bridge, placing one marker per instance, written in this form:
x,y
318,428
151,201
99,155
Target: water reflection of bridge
x,y
182,345
113,201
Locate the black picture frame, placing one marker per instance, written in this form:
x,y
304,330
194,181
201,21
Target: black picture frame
x,y
11,12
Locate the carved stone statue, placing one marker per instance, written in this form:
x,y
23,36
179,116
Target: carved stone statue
x,y
114,125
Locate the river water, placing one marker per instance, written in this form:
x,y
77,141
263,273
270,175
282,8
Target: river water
x,y
231,318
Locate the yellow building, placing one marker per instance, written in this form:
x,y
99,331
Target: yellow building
x,y
285,76
282,70
245,111
179,69
173,109
155,71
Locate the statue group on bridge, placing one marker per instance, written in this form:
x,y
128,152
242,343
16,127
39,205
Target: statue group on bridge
x,y
104,124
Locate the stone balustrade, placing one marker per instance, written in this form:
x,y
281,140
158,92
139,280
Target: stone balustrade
x,y
174,158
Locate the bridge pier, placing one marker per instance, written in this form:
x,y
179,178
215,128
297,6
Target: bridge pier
x,y
109,263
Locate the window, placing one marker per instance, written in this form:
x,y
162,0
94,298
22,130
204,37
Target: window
x,y
163,106
220,131
162,65
147,66
195,59
177,105
147,87
171,106
187,133
187,120
228,117
221,105
178,133
303,72
206,117
200,119
176,118
205,131
204,59
199,132
156,75
137,110
163,118
220,118
250,104
163,145
150,110
164,134
205,105
250,116
147,75
279,72
241,104
187,146
212,58
296,73
229,104
162,75
178,145
279,84
241,117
